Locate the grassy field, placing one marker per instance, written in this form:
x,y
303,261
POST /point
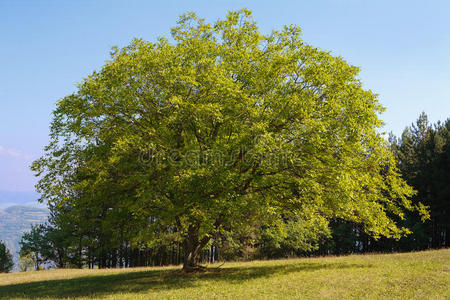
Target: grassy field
x,y
419,275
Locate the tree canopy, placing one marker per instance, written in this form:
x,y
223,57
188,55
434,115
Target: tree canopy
x,y
215,127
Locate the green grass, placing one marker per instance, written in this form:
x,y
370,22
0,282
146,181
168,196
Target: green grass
x,y
419,275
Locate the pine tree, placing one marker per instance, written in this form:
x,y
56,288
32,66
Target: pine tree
x,y
6,262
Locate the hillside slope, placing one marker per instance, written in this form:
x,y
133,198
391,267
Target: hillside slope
x,y
419,275
15,220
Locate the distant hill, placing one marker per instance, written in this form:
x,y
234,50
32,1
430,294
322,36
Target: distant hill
x,y
11,198
15,220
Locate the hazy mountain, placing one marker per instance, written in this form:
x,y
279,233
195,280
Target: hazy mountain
x,y
15,220
10,198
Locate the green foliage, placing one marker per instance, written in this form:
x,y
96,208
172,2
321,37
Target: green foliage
x,y
219,126
293,237
27,262
423,155
6,262
47,243
423,152
34,243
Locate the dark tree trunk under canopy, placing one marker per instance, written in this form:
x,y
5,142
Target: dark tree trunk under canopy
x,y
192,246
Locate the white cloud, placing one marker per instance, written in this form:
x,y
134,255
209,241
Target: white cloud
x,y
14,153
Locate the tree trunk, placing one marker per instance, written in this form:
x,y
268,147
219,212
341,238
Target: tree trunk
x,y
192,247
80,253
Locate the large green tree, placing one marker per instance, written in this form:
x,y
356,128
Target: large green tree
x,y
219,125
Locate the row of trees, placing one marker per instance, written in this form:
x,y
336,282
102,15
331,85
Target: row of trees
x,y
60,245
423,153
222,138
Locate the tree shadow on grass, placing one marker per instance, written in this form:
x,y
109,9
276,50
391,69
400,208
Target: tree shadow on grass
x,y
153,280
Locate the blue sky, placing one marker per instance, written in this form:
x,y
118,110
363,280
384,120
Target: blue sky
x,y
46,47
